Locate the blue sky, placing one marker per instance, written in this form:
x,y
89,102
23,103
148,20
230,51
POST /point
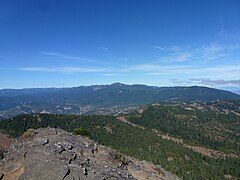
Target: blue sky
x,y
62,43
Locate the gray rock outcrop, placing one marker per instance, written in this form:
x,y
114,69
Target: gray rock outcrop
x,y
53,154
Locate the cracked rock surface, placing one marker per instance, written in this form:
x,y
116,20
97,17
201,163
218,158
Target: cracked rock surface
x,y
53,154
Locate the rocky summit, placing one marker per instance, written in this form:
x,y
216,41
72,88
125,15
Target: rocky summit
x,y
49,154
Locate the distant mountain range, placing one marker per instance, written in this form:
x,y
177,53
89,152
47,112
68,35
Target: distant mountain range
x,y
100,98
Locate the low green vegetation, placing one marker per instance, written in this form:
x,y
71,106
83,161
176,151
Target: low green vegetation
x,y
145,144
204,128
81,131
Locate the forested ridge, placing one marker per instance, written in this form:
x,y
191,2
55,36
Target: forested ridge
x,y
210,129
192,126
90,99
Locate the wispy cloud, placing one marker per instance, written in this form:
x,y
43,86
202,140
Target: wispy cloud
x,y
52,54
210,52
175,57
217,82
103,48
225,35
223,71
220,33
65,56
147,68
65,69
158,73
109,74
169,49
208,82
159,48
180,82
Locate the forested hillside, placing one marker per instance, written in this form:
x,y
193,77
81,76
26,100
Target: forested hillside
x,y
189,142
206,128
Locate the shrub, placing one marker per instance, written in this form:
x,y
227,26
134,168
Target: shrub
x,y
28,134
82,132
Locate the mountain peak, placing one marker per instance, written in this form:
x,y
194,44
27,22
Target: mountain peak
x,y
117,84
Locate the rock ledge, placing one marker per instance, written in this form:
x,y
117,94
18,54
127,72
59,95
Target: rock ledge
x,y
53,154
